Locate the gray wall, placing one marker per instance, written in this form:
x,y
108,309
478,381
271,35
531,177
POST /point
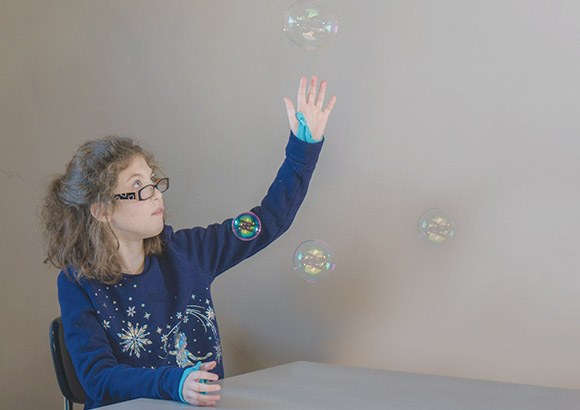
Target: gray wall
x,y
469,106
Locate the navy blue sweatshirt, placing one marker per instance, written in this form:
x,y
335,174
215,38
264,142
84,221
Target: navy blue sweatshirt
x,y
135,339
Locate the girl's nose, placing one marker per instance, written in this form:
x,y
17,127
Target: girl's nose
x,y
157,194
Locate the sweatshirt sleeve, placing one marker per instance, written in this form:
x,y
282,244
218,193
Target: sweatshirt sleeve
x,y
215,249
104,379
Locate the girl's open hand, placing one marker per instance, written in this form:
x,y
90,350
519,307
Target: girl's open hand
x,y
311,105
193,389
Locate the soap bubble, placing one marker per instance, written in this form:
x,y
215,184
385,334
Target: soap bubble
x,y
310,24
246,226
436,226
314,259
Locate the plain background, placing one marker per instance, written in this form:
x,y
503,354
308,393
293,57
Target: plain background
x,y
467,106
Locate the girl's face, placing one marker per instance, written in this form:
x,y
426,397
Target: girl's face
x,y
133,220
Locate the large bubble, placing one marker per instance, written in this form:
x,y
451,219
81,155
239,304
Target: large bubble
x,y
310,24
436,226
314,260
246,226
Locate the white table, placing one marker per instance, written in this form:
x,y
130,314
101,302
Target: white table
x,y
315,386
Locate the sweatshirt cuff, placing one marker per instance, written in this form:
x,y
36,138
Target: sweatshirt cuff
x,y
303,152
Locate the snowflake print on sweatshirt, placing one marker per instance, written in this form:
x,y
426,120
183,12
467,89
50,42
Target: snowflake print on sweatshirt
x,y
134,339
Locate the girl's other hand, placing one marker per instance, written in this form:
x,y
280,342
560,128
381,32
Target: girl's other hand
x,y
195,392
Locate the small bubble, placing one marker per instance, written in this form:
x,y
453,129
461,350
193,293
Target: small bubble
x,y
310,24
314,260
246,226
435,226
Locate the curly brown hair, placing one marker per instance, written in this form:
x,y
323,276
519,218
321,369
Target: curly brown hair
x,y
77,241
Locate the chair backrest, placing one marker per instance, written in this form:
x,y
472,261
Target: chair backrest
x,y
65,373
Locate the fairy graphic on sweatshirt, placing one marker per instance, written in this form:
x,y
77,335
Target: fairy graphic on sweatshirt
x,y
184,357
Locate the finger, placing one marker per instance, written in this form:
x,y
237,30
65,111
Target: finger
x,y
199,399
321,93
330,105
291,115
208,387
207,400
290,108
312,90
301,91
208,365
203,375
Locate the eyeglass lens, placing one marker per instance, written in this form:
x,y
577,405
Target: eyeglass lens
x,y
148,191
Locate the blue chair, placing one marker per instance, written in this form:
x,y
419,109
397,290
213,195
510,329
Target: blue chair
x,y
66,376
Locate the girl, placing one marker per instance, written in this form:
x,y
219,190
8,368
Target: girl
x,y
134,294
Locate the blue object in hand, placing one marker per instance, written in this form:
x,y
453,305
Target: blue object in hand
x,y
303,132
196,368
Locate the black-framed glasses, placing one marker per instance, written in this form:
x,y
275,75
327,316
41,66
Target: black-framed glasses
x,y
146,192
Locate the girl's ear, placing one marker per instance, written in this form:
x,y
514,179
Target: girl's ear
x,y
98,212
